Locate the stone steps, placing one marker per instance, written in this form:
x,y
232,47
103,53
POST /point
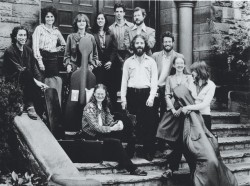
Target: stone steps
x,y
225,117
244,180
230,130
234,143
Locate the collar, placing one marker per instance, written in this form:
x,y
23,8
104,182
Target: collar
x,y
77,36
144,56
53,27
164,53
203,85
125,23
143,28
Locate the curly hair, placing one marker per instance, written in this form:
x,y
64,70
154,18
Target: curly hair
x,y
201,68
119,5
78,17
46,10
173,70
15,31
106,104
132,45
95,27
167,34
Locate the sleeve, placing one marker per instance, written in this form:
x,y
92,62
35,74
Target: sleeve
x,y
95,52
61,39
206,101
127,39
154,80
151,39
113,48
89,118
124,84
11,63
35,43
67,52
168,93
36,73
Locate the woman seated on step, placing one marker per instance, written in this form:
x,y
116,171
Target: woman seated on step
x,y
98,123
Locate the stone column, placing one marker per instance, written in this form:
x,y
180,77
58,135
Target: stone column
x,y
185,14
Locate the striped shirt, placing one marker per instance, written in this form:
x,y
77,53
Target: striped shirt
x,y
90,120
119,31
46,39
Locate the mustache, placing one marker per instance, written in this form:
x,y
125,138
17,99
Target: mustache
x,y
139,48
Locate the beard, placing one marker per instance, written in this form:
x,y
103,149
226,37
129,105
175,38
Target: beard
x,y
138,22
139,51
168,50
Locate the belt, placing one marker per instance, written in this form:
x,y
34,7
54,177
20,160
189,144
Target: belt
x,y
139,90
160,87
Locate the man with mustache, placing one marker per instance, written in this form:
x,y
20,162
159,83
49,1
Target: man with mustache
x,y
138,90
164,60
140,28
20,67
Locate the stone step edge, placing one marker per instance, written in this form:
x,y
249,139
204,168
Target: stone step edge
x,y
156,161
235,139
224,114
230,126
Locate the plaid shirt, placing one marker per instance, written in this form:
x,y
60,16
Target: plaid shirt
x,y
90,123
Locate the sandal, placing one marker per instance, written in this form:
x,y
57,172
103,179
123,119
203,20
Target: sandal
x,y
139,172
167,174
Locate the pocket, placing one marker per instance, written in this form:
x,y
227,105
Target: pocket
x,y
131,71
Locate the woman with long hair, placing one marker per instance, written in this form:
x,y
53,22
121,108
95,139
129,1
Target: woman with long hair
x,y
98,123
106,46
47,43
171,125
200,146
72,56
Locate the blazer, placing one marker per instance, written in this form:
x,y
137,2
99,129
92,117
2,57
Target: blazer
x,y
131,32
110,50
157,56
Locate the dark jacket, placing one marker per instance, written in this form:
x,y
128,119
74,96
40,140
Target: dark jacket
x,y
109,52
15,61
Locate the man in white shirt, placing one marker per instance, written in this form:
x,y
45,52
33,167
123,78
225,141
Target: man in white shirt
x,y
140,28
138,90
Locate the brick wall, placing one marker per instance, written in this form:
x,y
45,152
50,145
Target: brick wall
x,y
15,13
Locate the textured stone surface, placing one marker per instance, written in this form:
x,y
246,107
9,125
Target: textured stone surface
x,y
4,43
168,16
6,28
5,9
30,10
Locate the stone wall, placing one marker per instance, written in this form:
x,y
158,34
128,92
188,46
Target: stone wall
x,y
15,13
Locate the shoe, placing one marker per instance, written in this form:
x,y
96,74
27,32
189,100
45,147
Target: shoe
x,y
139,172
167,174
32,113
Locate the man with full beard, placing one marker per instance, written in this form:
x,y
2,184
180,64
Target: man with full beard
x,y
138,90
164,60
139,28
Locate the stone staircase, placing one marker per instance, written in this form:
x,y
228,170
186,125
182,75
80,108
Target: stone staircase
x,y
234,140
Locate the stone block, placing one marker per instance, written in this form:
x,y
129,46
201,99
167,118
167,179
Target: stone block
x,y
227,13
202,42
6,28
10,19
29,23
168,16
28,2
203,3
196,55
5,9
30,10
239,146
167,4
201,14
222,27
237,14
4,43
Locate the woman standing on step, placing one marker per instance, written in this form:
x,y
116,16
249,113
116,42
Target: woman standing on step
x,y
98,123
200,146
171,126
47,43
72,56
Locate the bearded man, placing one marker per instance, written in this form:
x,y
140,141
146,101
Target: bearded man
x,y
138,90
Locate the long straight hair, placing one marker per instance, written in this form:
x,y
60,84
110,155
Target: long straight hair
x,y
200,67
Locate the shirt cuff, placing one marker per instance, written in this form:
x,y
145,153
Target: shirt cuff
x,y
123,99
